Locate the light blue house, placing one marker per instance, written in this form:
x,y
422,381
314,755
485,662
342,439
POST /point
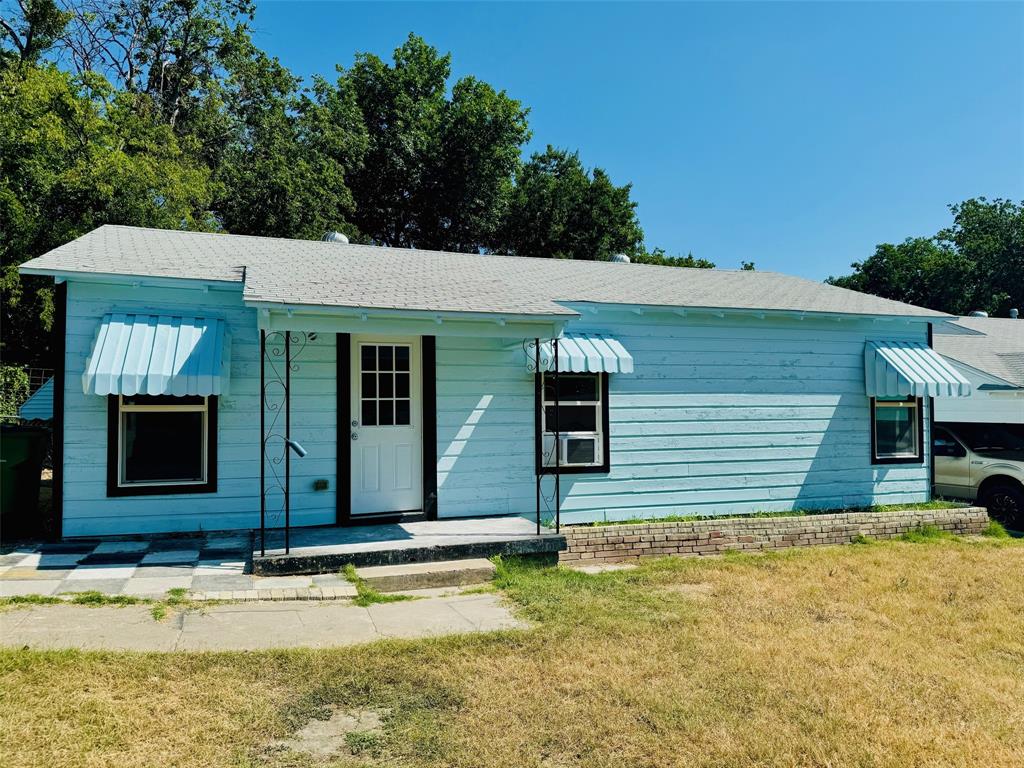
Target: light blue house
x,y
422,383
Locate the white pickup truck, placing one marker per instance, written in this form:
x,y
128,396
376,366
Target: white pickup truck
x,y
982,463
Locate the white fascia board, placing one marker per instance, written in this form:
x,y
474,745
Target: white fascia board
x,y
407,323
594,306
154,281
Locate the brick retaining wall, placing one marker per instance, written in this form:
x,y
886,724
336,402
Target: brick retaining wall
x,y
611,543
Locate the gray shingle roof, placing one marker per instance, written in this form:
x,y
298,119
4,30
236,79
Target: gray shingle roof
x,y
310,272
994,345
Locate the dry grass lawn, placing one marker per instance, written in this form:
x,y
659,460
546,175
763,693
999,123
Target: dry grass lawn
x,y
896,654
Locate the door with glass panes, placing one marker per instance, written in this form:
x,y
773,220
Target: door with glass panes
x,y
386,428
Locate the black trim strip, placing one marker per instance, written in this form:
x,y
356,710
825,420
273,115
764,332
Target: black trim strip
x,y
428,395
931,427
343,514
917,459
60,327
114,490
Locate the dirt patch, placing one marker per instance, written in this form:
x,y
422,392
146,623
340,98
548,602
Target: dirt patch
x,y
603,567
341,733
696,591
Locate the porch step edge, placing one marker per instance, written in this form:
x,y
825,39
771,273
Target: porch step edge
x,y
330,562
442,573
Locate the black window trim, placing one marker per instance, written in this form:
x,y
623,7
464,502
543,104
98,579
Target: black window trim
x,y
543,469
916,459
114,488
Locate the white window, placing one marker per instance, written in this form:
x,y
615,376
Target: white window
x,y
163,441
580,416
385,385
896,426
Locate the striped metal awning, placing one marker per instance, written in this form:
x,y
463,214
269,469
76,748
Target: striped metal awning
x,y
584,353
906,368
136,354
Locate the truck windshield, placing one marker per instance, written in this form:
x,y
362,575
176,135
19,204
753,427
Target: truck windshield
x,y
990,438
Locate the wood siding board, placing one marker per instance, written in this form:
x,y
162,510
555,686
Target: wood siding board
x,y
719,417
236,503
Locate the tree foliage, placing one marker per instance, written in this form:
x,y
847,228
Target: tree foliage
x,y
173,51
164,113
659,257
13,389
557,209
437,170
976,263
75,154
30,27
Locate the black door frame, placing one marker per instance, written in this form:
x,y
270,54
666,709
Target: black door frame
x,y
428,451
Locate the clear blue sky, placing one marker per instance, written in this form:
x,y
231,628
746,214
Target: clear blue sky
x,y
796,136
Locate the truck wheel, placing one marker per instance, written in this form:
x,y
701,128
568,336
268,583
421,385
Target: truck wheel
x,y
1005,503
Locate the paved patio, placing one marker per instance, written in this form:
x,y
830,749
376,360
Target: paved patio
x,y
216,566
250,626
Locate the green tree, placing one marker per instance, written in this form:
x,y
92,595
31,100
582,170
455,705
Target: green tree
x,y
282,168
437,170
977,263
75,154
172,51
13,389
990,236
30,27
658,256
918,271
557,209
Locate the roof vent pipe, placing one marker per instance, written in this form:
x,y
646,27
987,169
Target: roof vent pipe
x,y
620,258
978,313
1014,313
334,237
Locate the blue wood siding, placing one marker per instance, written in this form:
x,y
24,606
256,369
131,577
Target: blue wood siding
x,y
721,416
88,511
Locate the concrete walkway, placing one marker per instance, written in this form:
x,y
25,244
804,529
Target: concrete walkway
x,y
250,626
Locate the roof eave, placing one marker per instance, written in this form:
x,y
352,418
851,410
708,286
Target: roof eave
x,y
755,312
981,371
63,275
410,314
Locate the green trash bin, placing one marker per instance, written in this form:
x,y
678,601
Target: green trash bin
x,y
22,451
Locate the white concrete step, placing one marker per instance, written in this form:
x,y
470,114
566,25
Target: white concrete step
x,y
443,573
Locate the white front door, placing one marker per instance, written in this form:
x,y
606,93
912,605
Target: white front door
x,y
387,423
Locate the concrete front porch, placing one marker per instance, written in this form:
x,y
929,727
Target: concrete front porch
x,y
327,549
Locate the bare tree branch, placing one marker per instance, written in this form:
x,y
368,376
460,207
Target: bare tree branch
x,y
13,34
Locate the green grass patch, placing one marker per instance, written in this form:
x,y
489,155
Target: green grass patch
x,y
362,742
861,539
30,600
93,597
877,508
995,530
175,598
926,533
367,595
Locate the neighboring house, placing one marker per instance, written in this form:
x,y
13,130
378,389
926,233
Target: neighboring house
x,y
413,387
39,404
988,352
